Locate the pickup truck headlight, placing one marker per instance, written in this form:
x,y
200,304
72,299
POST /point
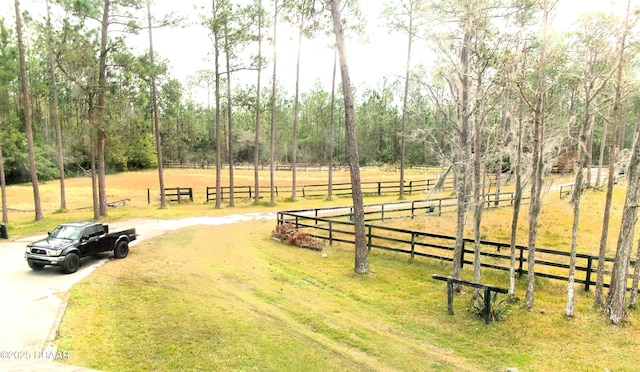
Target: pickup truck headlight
x,y
57,252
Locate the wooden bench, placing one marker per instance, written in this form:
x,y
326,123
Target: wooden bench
x,y
487,288
178,193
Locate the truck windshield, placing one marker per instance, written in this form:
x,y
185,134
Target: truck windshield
x,y
66,232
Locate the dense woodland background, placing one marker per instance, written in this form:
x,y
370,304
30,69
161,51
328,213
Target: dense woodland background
x,y
502,69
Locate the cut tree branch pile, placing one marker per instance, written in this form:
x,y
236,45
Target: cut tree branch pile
x,y
287,233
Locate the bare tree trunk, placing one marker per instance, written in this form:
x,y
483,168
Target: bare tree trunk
x,y
516,211
614,306
405,99
256,153
102,88
501,142
3,188
332,121
361,255
229,117
613,147
537,165
583,161
296,109
603,142
633,300
94,179
54,112
156,121
463,150
216,47
92,154
478,190
27,116
272,143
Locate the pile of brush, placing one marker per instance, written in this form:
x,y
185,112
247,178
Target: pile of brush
x,y
287,233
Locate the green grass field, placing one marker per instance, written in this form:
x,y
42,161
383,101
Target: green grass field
x,y
230,298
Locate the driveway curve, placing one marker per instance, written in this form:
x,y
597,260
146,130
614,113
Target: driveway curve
x,y
33,302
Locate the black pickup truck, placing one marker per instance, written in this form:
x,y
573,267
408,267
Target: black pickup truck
x,y
68,242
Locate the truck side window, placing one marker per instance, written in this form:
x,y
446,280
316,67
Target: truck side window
x,y
99,230
89,232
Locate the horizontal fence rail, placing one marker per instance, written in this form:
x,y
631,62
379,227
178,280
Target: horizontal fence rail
x,y
381,188
335,225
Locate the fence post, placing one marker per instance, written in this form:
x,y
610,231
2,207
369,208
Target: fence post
x,y
178,195
330,232
382,212
439,207
521,262
148,196
462,256
190,193
250,193
413,242
303,195
368,238
587,282
379,192
413,209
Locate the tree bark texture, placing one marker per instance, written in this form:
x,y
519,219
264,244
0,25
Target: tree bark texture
x,y
27,116
361,254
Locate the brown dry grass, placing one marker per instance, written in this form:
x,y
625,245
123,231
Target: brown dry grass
x,y
135,185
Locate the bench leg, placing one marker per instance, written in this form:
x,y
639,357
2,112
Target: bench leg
x,y
487,305
450,297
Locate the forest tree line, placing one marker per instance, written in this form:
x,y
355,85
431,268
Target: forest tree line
x,y
580,55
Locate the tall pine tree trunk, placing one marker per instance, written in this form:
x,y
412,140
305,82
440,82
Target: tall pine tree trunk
x,y
102,91
296,109
361,254
227,49
216,61
27,116
55,118
3,188
154,106
332,122
405,98
272,141
256,144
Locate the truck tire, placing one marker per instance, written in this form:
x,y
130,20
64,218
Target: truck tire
x,y
121,250
34,265
71,263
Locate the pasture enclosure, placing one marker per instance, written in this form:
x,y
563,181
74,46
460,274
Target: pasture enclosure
x,y
335,225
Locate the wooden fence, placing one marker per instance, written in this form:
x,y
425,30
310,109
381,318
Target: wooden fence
x,y
338,189
335,225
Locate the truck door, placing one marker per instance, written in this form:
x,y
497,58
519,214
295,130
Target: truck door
x,y
89,241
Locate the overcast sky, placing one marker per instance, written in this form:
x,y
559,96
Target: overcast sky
x,y
385,54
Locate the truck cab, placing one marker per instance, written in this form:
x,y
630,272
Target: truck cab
x,y
68,242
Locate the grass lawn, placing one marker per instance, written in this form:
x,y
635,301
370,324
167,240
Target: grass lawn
x,y
230,298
